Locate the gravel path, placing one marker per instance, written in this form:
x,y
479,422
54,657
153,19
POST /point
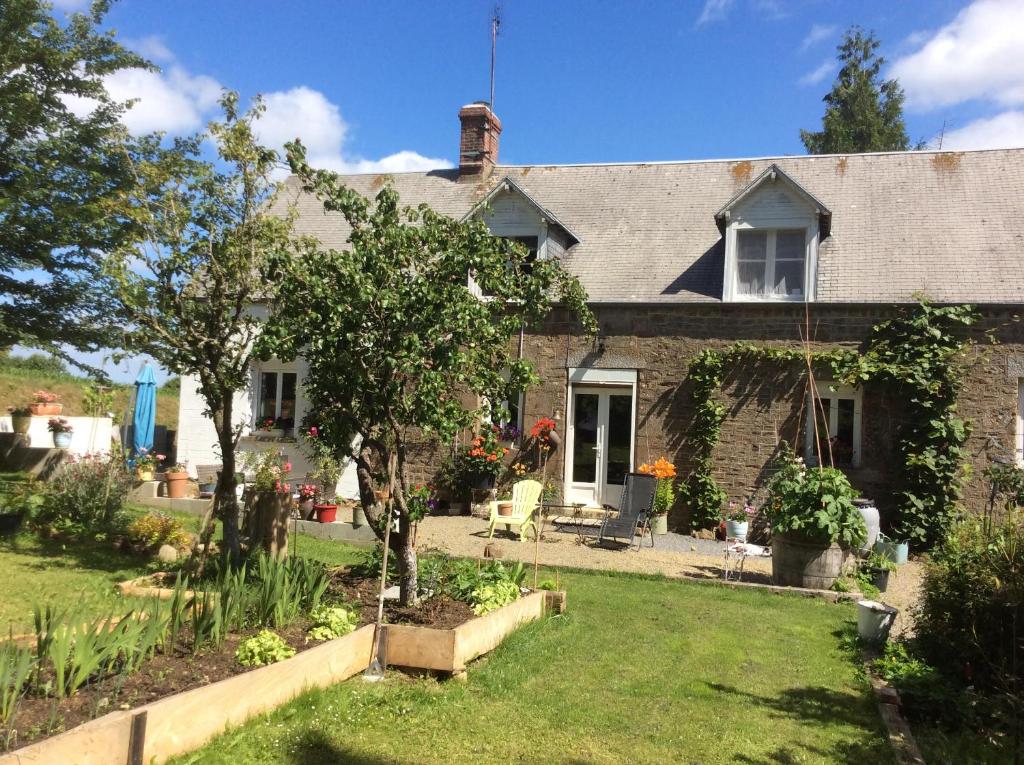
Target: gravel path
x,y
676,555
673,554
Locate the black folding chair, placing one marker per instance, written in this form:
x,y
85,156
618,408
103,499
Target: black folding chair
x,y
634,511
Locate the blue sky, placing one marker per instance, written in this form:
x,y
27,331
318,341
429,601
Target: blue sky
x,y
374,86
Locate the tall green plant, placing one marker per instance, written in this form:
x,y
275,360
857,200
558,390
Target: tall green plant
x,y
921,355
699,489
16,663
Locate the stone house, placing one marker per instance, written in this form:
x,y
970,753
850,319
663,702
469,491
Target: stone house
x,y
680,256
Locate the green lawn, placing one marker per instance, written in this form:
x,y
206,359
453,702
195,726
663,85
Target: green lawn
x,y
45,572
84,576
639,670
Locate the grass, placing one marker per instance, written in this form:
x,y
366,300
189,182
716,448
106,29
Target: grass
x,y
639,670
18,385
84,575
40,571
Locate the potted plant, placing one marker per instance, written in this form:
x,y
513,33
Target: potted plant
x,y
814,524
878,567
146,463
326,478
737,523
177,480
21,418
664,496
268,500
481,462
61,430
45,403
307,498
268,427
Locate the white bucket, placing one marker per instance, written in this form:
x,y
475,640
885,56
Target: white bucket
x,y
874,620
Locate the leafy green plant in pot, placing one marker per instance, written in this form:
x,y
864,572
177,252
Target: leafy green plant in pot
x,y
814,524
877,568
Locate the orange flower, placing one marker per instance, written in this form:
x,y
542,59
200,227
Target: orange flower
x,y
660,469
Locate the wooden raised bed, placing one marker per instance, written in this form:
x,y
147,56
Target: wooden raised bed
x,y
177,724
451,650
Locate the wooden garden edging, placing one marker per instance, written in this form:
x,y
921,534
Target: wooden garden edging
x,y
185,721
181,723
450,650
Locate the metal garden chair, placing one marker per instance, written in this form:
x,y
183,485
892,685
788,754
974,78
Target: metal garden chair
x,y
634,511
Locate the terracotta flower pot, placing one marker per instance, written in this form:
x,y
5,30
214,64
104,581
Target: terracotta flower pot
x,y
504,508
177,484
21,422
45,409
326,513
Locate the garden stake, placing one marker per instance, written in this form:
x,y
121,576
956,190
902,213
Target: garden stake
x,y
375,671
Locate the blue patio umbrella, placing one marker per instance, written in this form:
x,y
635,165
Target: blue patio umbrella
x,y
144,420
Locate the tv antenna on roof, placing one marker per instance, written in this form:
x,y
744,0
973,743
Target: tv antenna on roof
x,y
495,23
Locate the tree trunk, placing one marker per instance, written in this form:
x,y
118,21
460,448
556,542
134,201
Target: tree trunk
x,y
408,568
227,484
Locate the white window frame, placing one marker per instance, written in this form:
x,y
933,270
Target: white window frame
x,y
828,390
732,292
280,370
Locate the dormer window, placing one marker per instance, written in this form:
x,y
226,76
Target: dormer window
x,y
771,263
510,213
771,231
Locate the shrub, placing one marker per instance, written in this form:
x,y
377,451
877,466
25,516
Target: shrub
x,y
155,529
86,496
814,504
265,648
971,601
330,622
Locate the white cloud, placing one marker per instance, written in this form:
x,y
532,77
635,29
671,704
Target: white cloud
x,y
172,101
1003,131
819,73
818,33
307,114
979,55
714,10
151,47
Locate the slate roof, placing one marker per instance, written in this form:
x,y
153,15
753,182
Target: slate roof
x,y
950,224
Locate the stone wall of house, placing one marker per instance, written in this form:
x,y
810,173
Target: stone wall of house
x,y
765,401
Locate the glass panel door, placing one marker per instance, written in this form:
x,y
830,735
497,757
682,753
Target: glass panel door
x,y
601,444
584,444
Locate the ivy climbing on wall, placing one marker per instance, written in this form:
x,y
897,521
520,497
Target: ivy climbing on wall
x,y
919,354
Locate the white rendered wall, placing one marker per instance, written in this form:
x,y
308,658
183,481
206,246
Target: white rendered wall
x,y
90,434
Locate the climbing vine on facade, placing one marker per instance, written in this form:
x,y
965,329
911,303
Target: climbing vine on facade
x,y
918,354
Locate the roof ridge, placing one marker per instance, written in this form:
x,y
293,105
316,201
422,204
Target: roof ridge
x,y
767,158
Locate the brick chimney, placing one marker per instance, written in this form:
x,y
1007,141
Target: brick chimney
x,y
478,142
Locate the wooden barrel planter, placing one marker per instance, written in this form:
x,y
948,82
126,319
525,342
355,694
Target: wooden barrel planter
x,y
803,563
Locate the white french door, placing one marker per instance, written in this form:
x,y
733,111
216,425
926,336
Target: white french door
x,y
599,448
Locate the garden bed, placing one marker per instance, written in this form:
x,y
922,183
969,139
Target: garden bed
x,y
189,716
176,703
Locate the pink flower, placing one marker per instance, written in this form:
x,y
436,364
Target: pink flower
x,y
314,432
287,467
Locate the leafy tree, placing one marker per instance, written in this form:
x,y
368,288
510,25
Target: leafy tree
x,y
189,290
61,174
863,112
395,342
